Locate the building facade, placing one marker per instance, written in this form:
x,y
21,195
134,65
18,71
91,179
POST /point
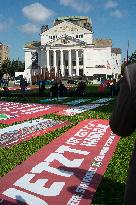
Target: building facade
x,y
3,53
69,49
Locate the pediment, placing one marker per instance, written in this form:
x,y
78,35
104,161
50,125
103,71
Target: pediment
x,y
66,41
65,27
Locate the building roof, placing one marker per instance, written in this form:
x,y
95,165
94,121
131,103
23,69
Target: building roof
x,y
102,43
73,18
32,44
116,50
83,21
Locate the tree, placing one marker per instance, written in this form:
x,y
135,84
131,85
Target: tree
x,y
6,67
11,67
132,58
122,68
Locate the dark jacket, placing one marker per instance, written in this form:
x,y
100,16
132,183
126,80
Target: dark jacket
x,y
123,118
123,123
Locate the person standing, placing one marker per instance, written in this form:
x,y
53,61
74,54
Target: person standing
x,y
123,123
54,89
41,88
80,89
23,84
62,90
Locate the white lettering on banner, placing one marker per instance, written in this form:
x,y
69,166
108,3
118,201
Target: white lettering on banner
x,y
38,186
96,164
104,150
86,181
44,166
24,197
93,135
98,159
63,160
110,140
64,148
90,174
34,111
73,141
89,125
75,200
84,131
93,143
80,190
93,138
84,185
81,133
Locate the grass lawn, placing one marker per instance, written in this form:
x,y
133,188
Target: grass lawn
x,y
111,189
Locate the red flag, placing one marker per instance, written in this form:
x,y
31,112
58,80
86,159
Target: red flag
x,y
127,57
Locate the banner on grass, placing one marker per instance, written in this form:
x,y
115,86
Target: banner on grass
x,y
15,88
11,112
66,171
53,99
21,132
76,102
79,109
102,100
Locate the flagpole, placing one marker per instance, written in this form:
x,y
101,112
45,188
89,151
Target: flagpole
x,y
127,51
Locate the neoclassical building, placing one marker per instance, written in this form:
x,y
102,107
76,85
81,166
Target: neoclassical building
x,y
68,49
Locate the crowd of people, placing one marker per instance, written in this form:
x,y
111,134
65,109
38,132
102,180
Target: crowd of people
x,y
59,89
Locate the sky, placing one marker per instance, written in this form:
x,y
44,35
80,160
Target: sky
x,y
21,20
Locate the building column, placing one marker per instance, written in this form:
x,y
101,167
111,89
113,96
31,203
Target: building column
x,y
69,63
61,63
43,58
47,60
84,62
77,63
54,61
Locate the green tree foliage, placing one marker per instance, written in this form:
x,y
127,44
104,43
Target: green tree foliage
x,y
132,58
11,67
122,68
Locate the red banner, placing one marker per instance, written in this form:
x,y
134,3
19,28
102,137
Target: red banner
x,y
11,112
66,171
24,131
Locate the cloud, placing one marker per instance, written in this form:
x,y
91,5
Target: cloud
x,y
37,12
114,11
5,24
29,28
117,13
111,4
77,5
